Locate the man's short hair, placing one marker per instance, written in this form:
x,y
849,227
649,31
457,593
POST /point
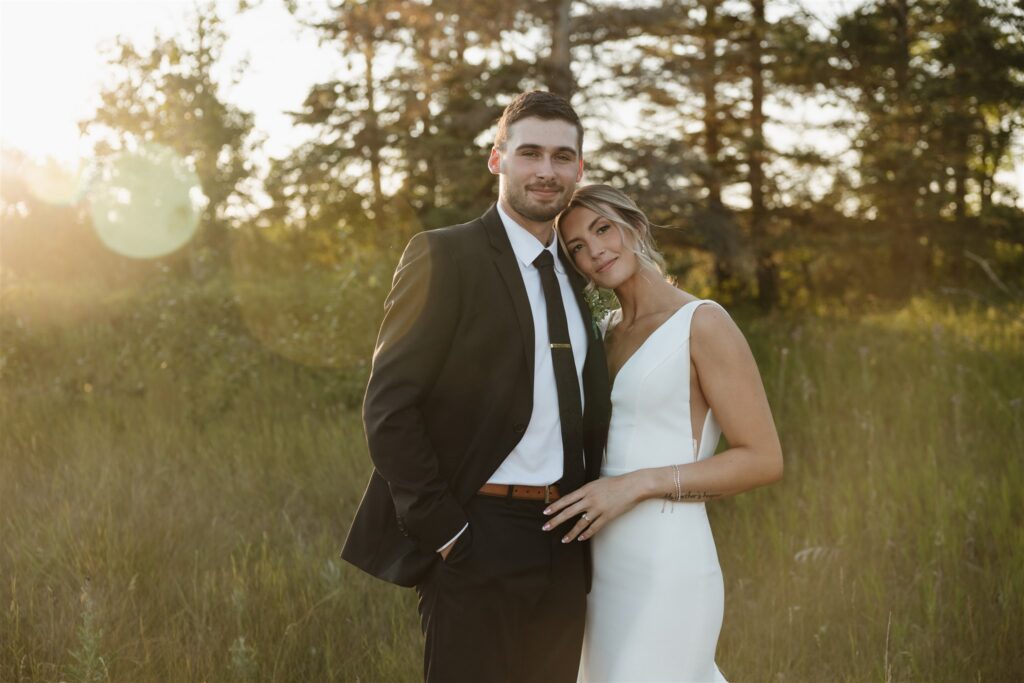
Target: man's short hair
x,y
541,105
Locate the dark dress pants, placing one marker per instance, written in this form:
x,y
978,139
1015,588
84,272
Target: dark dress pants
x,y
509,603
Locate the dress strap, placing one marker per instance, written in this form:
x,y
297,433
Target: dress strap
x,y
686,312
689,309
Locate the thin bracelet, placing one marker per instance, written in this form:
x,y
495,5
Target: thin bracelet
x,y
678,481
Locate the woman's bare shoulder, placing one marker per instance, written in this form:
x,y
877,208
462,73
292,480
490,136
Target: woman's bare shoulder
x,y
712,327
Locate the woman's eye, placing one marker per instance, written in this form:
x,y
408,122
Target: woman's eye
x,y
575,248
602,228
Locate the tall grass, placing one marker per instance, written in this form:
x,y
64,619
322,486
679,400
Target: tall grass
x,y
893,549
172,505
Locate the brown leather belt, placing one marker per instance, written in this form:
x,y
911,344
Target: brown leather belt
x,y
546,493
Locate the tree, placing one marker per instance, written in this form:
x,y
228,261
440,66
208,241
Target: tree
x,y
705,71
426,80
937,86
169,96
980,90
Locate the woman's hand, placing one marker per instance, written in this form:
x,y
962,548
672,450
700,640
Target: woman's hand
x,y
597,503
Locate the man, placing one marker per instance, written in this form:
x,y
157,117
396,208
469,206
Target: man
x,y
488,399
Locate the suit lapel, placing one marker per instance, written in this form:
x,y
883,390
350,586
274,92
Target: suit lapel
x,y
508,268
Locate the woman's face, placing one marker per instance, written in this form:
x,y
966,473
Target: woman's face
x,y
601,250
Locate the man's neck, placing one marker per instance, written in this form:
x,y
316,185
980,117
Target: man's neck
x,y
540,230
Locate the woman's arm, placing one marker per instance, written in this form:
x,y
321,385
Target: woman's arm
x,y
731,383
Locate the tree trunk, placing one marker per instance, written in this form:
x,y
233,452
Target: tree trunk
x,y
560,78
767,292
961,151
374,144
985,173
724,275
906,251
709,81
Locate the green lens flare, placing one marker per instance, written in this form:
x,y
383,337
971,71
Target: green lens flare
x,y
146,203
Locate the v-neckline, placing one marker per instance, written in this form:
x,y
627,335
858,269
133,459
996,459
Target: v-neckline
x,y
666,321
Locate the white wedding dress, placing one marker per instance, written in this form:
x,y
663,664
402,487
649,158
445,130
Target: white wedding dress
x,y
655,609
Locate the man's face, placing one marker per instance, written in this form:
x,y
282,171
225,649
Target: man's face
x,y
539,167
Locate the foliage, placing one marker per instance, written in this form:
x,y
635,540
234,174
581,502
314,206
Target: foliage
x,y
88,665
170,96
939,90
400,138
429,79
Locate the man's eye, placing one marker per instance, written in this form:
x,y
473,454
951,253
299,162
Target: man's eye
x,y
564,158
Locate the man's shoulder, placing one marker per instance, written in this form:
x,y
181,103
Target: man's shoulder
x,y
469,235
461,230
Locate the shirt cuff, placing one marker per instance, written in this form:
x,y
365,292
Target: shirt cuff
x,y
454,538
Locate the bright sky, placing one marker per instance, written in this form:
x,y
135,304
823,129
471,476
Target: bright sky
x,y
51,65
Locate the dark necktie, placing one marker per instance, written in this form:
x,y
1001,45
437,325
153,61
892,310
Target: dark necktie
x,y
566,381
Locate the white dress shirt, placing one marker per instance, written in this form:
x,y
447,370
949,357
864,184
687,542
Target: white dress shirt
x,y
537,459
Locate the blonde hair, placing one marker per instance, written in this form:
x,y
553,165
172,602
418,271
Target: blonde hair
x,y
617,207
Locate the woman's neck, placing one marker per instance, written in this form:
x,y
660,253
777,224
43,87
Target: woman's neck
x,y
644,293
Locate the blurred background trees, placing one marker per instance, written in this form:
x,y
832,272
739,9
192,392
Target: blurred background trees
x,y
711,113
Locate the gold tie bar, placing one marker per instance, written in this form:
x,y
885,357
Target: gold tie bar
x,y
561,346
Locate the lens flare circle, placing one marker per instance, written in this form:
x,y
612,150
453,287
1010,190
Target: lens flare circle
x,y
146,202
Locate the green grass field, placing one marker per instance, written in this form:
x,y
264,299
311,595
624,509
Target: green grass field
x,y
174,492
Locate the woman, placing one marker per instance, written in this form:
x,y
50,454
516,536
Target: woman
x,y
682,374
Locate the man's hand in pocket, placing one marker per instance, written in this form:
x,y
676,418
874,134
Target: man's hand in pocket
x,y
463,537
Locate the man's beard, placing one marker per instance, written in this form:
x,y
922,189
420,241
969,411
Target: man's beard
x,y
520,202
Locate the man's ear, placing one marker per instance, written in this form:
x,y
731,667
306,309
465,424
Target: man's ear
x,y
494,161
579,173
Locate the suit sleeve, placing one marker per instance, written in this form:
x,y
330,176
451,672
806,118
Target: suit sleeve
x,y
420,317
